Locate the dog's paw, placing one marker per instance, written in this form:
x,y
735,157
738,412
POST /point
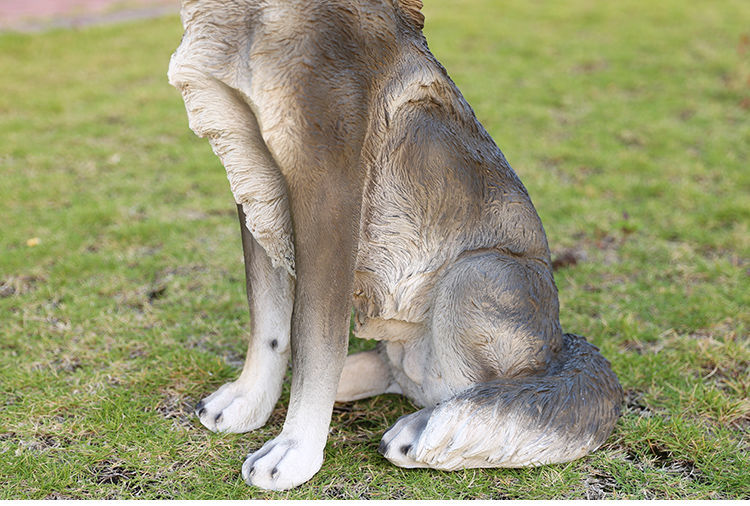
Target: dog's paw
x,y
235,408
402,443
283,463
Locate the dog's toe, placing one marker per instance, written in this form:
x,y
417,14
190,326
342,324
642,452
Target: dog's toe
x,y
400,442
382,447
233,408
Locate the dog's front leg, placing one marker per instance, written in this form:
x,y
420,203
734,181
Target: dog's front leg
x,y
325,216
246,403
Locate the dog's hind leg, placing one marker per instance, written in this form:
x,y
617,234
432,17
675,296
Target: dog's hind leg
x,y
524,394
246,404
365,375
515,422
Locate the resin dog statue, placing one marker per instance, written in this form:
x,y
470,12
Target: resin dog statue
x,y
363,178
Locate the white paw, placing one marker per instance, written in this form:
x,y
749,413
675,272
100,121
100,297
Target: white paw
x,y
283,463
236,408
401,443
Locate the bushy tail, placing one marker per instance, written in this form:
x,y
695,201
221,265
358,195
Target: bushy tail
x,y
558,417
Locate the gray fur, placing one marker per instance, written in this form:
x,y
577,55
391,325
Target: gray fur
x,y
361,171
558,416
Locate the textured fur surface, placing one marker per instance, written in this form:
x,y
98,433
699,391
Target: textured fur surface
x,y
364,179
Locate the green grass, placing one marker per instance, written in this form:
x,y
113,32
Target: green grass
x,y
629,122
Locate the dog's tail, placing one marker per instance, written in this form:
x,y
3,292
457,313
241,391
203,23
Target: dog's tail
x,y
558,417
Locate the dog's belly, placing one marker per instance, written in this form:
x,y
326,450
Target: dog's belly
x,y
408,352
398,310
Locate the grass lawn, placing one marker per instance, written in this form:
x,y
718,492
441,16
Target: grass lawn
x,y
122,286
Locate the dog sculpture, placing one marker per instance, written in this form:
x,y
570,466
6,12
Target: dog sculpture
x,y
364,179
